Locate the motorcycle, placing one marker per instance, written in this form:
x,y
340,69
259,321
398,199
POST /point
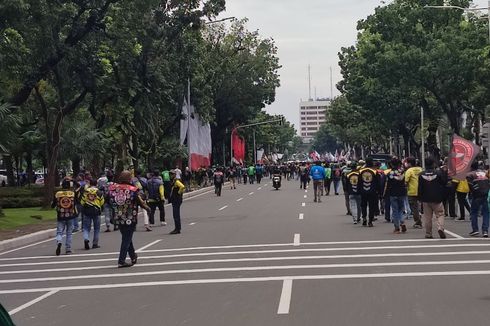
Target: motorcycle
x,y
276,182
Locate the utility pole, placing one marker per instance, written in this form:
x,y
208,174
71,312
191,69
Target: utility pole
x,y
422,133
309,83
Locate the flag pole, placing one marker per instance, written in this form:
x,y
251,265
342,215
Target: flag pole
x,y
189,159
422,136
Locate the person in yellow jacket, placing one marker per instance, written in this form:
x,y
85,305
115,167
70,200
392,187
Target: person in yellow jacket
x,y
462,190
176,198
92,202
412,182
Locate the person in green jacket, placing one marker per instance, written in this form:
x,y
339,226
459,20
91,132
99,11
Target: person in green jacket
x,y
251,173
167,183
328,178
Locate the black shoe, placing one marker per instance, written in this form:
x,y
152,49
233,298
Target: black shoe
x,y
485,234
134,260
364,223
58,249
87,245
95,246
370,224
124,265
404,228
68,252
461,219
442,235
175,232
107,230
474,233
358,220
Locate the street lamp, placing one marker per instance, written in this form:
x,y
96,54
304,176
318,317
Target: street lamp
x,y
467,10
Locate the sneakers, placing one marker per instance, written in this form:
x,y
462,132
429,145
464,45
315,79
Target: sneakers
x,y
87,244
474,234
417,226
461,219
68,252
355,222
95,246
364,223
429,236
134,260
164,223
124,265
404,228
442,235
58,249
370,224
175,232
108,230
397,231
485,234
359,220
148,228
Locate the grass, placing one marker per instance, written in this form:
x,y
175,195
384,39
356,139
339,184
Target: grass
x,y
16,217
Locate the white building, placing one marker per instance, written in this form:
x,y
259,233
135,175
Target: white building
x,y
312,115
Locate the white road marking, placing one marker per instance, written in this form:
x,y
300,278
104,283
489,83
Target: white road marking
x,y
457,236
192,223
148,245
250,194
264,246
301,216
30,303
249,280
248,268
224,207
285,300
305,196
303,204
306,190
239,199
266,185
259,188
28,246
296,241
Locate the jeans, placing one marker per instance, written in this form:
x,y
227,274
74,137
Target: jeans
x,y
64,225
87,225
317,186
355,207
153,208
217,188
107,214
387,209
336,186
77,218
414,207
397,205
176,214
328,184
476,203
126,242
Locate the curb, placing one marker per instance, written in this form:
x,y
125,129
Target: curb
x,y
51,233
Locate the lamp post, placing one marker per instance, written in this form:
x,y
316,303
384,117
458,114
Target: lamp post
x,y
467,10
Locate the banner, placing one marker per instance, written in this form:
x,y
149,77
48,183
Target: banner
x,y
238,144
260,154
198,141
463,153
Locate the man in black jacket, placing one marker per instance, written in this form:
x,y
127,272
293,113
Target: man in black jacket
x,y
432,184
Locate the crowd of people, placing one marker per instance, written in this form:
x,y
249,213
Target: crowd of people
x,y
397,190
401,189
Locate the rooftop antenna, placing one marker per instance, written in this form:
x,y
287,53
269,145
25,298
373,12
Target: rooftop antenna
x,y
309,82
331,83
315,94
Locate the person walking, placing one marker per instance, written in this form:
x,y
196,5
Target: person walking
x,y
251,174
462,191
187,178
125,200
219,179
156,198
176,199
369,188
432,184
412,181
103,184
64,201
396,191
140,182
354,193
232,177
337,178
328,179
317,173
479,186
92,203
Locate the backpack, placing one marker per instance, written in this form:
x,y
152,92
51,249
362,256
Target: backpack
x,y
337,173
65,204
166,176
91,202
122,199
153,187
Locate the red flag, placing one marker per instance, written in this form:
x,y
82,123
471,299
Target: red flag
x,y
462,154
238,144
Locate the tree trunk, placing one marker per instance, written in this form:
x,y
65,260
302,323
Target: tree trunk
x,y
75,162
432,140
52,155
9,165
29,168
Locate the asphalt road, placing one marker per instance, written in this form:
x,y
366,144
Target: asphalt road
x,y
256,256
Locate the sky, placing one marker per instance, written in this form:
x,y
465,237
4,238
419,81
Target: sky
x,y
307,32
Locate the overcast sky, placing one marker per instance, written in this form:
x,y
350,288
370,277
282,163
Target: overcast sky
x,y
308,32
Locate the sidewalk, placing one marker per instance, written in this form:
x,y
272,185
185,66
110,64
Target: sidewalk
x,y
51,233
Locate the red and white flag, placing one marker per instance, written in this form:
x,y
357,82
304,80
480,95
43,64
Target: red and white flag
x,y
463,153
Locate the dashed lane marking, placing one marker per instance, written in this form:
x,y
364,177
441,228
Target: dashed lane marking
x,y
303,204
148,245
301,216
296,241
239,199
305,196
192,223
224,207
250,194
285,300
